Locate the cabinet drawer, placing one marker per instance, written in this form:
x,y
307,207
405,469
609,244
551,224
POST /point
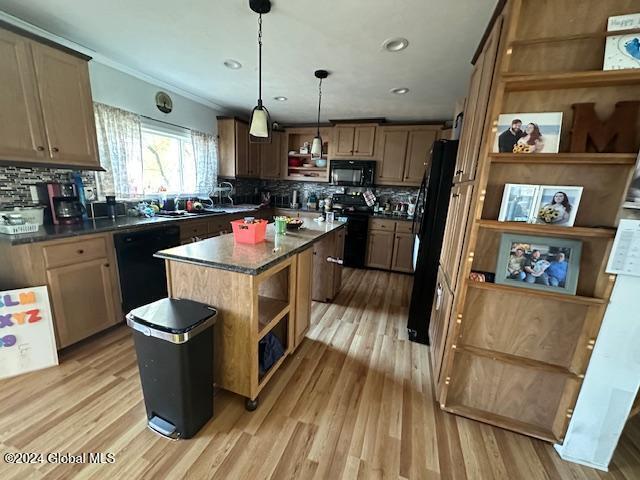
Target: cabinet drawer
x,y
382,224
404,226
194,229
72,252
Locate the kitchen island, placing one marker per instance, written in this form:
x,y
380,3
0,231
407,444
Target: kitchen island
x,y
258,290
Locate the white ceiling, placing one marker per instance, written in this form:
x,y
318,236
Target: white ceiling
x,y
186,43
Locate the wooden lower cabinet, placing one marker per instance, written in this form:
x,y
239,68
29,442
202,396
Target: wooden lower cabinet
x,y
304,282
390,245
83,296
380,249
81,275
327,276
402,260
439,326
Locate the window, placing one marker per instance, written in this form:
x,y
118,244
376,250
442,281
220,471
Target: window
x,y
168,163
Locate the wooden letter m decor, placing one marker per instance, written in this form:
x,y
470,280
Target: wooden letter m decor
x,y
617,134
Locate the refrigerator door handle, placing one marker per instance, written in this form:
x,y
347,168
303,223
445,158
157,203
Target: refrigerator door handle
x,y
416,250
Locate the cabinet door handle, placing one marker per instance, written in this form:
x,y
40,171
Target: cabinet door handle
x,y
80,252
455,195
438,296
339,261
55,149
459,172
40,148
107,265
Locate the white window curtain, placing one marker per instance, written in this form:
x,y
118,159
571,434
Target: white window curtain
x,y
119,146
206,157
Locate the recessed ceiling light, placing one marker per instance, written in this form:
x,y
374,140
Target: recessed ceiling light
x,y
400,91
232,64
281,99
396,44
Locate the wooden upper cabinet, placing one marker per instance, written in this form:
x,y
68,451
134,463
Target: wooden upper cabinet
x,y
67,108
241,149
454,234
47,110
271,157
22,134
419,147
255,157
393,146
344,141
402,260
364,141
355,141
476,108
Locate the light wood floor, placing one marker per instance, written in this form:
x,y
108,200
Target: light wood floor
x,y
355,401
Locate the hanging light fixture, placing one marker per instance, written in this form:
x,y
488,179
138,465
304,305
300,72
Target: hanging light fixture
x,y
260,126
316,146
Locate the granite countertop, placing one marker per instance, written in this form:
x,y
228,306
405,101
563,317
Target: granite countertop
x,y
101,225
224,253
401,218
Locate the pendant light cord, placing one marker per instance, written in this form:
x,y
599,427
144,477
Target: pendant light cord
x,y
260,59
319,103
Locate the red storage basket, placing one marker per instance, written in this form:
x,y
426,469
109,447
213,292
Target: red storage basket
x,y
249,232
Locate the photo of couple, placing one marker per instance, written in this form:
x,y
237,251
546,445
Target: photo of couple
x,y
543,263
529,264
528,133
545,204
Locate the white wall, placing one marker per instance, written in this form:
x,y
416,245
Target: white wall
x,y
119,89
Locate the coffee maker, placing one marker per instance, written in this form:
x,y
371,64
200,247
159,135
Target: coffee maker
x,y
63,202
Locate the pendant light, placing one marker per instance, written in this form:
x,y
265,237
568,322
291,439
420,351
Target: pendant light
x,y
316,146
260,125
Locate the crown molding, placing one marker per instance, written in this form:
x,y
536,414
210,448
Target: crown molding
x,y
104,60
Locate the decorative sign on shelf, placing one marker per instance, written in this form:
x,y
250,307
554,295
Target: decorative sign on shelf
x,y
27,341
617,134
625,254
623,51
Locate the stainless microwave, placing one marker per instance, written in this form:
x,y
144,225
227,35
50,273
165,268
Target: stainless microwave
x,y
352,173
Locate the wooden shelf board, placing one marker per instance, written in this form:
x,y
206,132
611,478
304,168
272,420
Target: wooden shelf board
x,y
309,169
267,376
576,36
536,293
300,155
503,422
516,360
567,158
270,312
519,82
540,229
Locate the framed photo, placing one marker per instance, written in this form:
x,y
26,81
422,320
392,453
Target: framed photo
x,y
557,205
528,133
622,51
541,263
518,202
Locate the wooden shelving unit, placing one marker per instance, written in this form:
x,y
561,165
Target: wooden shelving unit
x,y
296,137
537,293
270,312
516,357
553,230
520,82
565,158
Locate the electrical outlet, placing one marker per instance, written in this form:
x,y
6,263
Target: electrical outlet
x,y
33,191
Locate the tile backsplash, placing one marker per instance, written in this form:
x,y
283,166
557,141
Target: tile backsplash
x,y
15,182
245,188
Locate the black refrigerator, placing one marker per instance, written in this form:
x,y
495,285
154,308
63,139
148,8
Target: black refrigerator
x,y
428,226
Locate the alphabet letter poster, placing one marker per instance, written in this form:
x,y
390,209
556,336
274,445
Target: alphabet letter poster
x,y
27,340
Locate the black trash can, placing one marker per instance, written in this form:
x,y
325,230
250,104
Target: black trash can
x,y
174,346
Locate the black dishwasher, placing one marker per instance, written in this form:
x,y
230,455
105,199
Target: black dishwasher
x,y
143,278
